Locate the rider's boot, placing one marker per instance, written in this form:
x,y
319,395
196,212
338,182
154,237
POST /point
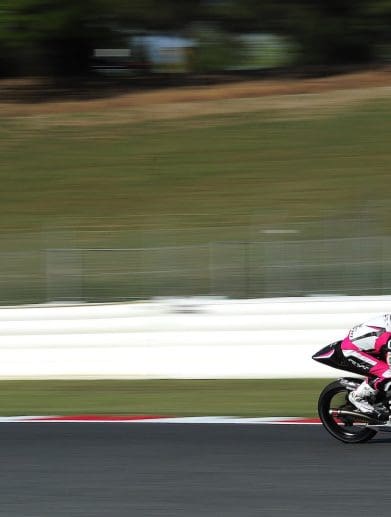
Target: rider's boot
x,y
363,399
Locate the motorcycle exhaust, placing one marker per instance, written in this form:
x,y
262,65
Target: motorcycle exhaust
x,y
345,412
373,423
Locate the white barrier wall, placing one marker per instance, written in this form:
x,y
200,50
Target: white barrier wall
x,y
188,338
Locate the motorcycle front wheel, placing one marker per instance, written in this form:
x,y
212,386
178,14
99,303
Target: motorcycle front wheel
x,y
338,416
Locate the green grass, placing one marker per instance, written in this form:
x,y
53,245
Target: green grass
x,y
219,171
162,397
70,181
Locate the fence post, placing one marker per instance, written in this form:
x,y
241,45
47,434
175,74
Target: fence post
x,y
64,273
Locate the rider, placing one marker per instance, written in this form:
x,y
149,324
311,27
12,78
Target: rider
x,y
364,351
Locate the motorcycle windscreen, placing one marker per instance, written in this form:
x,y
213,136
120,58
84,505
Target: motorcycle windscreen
x,y
332,356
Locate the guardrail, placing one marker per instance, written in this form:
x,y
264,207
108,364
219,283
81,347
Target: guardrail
x,y
179,338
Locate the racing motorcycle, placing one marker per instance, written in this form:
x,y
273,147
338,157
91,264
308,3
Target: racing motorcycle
x,y
338,415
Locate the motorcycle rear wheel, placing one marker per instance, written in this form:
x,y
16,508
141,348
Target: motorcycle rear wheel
x,y
351,429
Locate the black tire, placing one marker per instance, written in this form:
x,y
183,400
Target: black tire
x,y
355,431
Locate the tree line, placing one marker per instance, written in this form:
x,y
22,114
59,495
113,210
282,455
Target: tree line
x,y
58,36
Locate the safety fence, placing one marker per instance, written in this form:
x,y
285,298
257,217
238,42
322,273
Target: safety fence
x,y
249,269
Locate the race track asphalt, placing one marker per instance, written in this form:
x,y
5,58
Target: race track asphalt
x,y
169,470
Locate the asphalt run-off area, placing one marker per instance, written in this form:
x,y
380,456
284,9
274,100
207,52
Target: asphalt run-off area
x,y
94,470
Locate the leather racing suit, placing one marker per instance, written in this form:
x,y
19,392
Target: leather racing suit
x,y
366,349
